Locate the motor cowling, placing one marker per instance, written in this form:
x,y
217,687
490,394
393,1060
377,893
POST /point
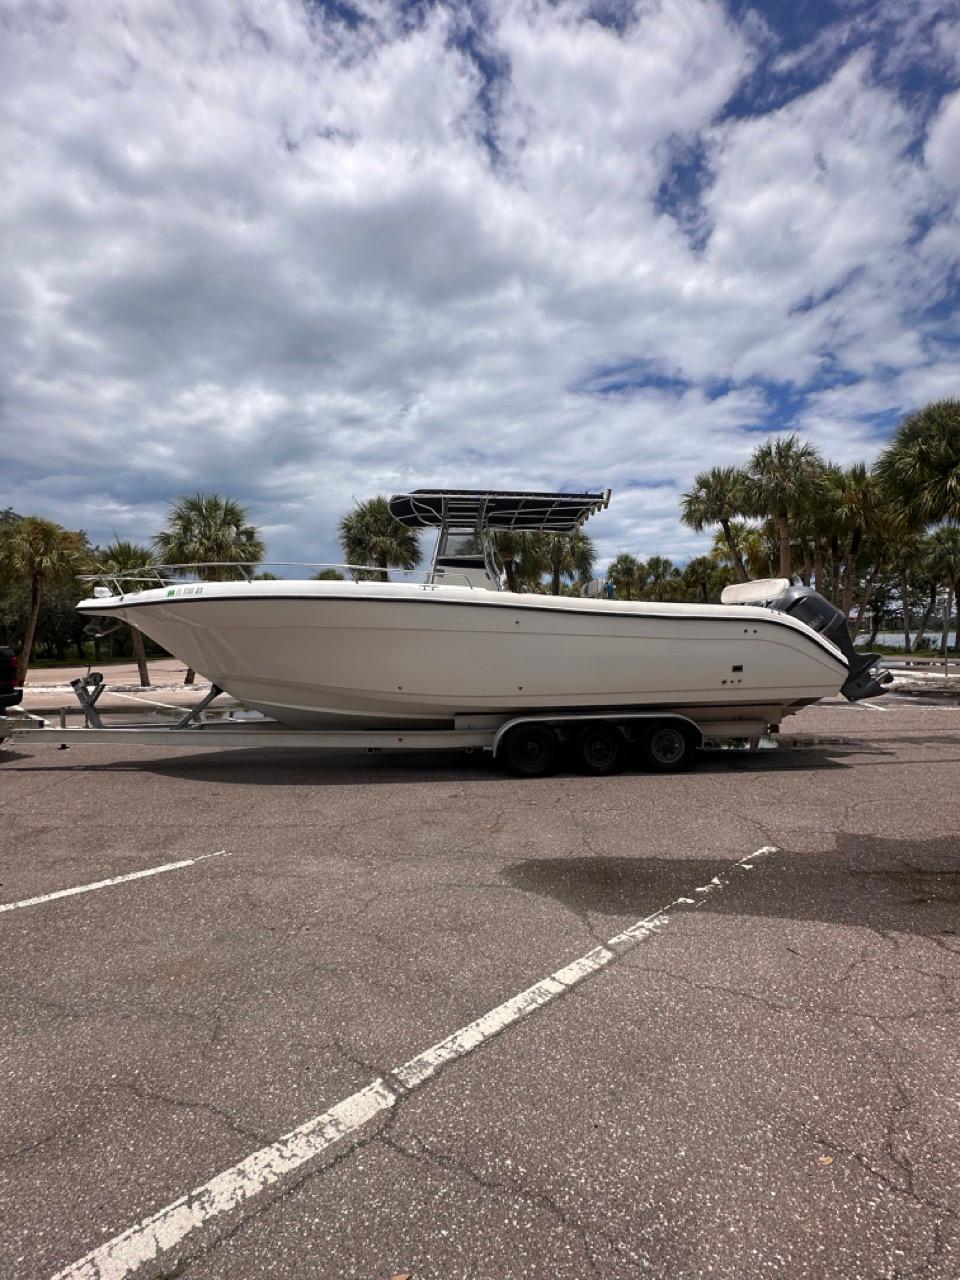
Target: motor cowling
x,y
810,608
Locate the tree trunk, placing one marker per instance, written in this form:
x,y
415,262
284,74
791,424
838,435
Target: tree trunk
x,y
738,565
805,567
510,572
877,619
818,562
783,530
140,656
834,568
556,580
905,609
855,626
930,606
850,572
190,676
946,618
23,661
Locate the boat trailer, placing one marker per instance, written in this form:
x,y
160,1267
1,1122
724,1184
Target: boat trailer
x,y
595,742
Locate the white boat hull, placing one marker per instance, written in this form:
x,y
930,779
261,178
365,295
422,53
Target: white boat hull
x,y
384,654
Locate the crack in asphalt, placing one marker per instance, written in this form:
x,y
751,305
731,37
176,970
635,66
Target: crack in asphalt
x,y
442,1161
147,1095
934,1254
8,1157
293,1186
885,1180
717,989
903,1180
350,1055
826,1011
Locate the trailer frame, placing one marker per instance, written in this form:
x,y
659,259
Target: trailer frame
x,y
491,734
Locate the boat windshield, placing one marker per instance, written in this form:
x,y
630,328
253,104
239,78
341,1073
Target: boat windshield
x,y
460,542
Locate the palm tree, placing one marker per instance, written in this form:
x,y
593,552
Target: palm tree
x,y
662,575
371,535
823,520
932,587
877,550
704,577
801,545
43,552
627,575
521,555
944,562
856,509
328,575
906,563
717,497
881,606
920,468
820,532
210,531
121,557
783,478
568,556
753,544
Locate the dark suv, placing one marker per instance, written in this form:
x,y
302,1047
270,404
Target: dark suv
x,y
10,691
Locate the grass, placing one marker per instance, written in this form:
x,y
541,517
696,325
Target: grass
x,y
894,650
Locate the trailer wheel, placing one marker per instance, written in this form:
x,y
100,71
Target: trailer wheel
x,y
530,750
600,749
666,748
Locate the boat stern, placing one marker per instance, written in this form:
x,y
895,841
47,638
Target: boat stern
x,y
865,679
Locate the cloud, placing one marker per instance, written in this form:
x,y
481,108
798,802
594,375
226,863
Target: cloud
x,y
302,254
943,144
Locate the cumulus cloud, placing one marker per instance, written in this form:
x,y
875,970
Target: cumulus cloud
x,y
302,254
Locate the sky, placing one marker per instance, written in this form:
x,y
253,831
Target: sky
x,y
304,253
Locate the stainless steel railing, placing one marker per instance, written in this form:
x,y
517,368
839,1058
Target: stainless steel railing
x,y
165,575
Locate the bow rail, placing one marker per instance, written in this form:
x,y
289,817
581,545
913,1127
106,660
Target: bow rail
x,y
164,575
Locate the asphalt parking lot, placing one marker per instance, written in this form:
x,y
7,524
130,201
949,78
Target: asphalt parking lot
x,y
760,1080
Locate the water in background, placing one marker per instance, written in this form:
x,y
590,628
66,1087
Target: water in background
x,y
895,638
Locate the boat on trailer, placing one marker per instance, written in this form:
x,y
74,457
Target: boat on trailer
x,y
456,660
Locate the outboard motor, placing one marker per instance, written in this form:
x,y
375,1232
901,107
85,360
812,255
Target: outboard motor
x,y
808,606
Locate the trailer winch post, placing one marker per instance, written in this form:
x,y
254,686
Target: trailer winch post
x,y
88,689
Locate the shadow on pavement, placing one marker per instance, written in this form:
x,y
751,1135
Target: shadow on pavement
x,y
886,885
296,766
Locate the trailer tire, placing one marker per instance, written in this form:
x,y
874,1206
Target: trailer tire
x,y
600,749
666,747
530,750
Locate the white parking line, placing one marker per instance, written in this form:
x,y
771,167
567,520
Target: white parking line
x,y
150,702
105,884
148,1239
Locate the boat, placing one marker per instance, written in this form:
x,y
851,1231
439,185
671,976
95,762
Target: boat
x,y
373,653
